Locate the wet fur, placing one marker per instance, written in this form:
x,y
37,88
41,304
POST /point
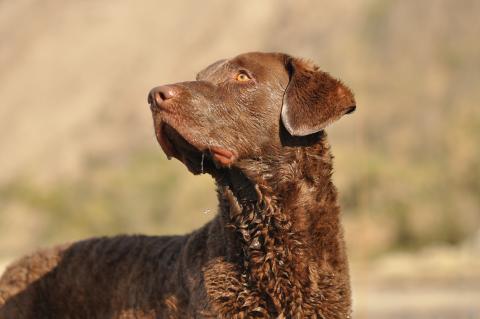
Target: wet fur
x,y
274,250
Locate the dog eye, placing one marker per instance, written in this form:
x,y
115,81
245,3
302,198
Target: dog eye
x,y
242,77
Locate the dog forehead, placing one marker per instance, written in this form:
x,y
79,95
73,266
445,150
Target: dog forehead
x,y
211,70
262,65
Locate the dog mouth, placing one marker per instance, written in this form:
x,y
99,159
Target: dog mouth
x,y
198,158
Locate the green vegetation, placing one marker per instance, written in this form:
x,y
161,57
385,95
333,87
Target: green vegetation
x,y
135,197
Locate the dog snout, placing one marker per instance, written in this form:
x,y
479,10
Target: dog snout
x,y
160,94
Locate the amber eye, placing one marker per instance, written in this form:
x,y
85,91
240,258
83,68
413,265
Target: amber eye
x,y
242,77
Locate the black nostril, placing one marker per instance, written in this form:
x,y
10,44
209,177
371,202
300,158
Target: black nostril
x,y
165,92
162,96
158,97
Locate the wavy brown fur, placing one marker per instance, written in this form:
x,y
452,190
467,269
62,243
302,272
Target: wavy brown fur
x,y
274,250
288,259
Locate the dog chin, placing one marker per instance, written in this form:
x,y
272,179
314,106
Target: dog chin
x,y
197,160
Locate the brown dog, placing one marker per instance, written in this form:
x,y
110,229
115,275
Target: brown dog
x,y
275,250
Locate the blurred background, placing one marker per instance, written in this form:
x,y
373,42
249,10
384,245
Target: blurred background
x,y
79,158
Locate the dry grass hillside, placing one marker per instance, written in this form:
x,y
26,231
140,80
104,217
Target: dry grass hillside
x,y
78,156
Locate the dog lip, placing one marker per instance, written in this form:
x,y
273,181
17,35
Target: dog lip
x,y
176,144
179,143
165,143
223,156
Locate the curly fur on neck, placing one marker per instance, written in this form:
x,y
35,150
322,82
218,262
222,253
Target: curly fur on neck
x,y
287,257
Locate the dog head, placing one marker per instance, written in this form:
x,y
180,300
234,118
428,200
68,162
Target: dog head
x,y
249,107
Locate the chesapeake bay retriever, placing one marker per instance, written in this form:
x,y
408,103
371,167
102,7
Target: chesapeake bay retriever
x,y
274,250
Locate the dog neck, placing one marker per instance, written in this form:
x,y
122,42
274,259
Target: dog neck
x,y
281,220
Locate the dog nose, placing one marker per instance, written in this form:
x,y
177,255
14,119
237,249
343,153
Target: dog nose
x,y
160,94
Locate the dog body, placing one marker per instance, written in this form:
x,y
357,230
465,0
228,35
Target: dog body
x,y
274,250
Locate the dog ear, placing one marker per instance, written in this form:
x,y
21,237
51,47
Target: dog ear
x,y
313,99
